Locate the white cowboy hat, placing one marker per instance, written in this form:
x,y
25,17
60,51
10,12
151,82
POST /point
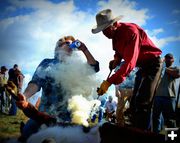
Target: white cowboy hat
x,y
104,18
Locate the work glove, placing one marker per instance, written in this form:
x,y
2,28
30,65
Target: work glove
x,y
103,88
113,64
21,103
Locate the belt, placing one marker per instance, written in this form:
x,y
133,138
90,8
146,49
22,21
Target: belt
x,y
156,58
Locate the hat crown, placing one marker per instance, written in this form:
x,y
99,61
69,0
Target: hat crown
x,y
104,17
169,55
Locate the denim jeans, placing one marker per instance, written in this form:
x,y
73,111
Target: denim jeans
x,y
30,127
163,106
149,75
13,109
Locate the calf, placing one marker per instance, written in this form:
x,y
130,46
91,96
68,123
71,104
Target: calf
x,y
111,133
105,133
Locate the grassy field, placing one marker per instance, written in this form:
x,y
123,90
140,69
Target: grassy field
x,y
10,125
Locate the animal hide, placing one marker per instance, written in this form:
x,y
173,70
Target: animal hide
x,y
105,133
69,134
111,133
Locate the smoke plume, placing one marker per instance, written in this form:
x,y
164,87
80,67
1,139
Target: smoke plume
x,y
79,82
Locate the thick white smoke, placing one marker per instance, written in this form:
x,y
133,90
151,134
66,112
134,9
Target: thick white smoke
x,y
76,76
78,80
81,109
69,134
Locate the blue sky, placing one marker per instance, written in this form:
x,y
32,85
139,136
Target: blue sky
x,y
29,29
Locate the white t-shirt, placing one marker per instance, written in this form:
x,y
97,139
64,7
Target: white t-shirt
x,y
111,106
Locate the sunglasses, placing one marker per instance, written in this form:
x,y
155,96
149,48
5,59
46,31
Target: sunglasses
x,y
67,43
64,43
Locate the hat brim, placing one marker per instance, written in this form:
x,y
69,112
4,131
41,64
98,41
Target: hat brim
x,y
99,28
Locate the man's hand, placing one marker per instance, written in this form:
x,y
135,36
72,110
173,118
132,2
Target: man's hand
x,y
83,47
103,88
22,103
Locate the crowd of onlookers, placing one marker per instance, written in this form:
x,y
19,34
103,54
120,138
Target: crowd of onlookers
x,y
113,109
7,103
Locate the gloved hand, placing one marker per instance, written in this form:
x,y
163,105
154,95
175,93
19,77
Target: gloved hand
x,y
103,88
113,64
22,103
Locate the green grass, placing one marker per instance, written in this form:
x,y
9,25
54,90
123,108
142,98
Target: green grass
x,y
10,125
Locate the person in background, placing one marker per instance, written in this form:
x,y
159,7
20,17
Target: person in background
x,y
131,43
16,76
120,107
52,92
110,109
101,111
124,94
11,73
165,99
20,79
3,96
103,100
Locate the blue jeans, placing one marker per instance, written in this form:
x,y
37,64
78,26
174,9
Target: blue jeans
x,y
146,84
163,106
101,114
13,109
30,128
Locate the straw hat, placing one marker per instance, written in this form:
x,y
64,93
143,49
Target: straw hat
x,y
104,18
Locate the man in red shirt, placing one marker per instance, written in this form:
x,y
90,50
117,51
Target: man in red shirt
x,y
131,43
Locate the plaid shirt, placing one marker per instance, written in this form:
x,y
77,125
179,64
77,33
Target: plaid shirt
x,y
52,99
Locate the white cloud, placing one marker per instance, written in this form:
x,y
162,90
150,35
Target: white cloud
x,y
173,22
127,9
10,9
161,42
155,32
176,11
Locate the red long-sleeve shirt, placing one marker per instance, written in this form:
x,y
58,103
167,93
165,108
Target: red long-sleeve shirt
x,y
132,44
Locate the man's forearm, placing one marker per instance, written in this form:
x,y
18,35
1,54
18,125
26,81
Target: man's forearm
x,y
90,58
30,90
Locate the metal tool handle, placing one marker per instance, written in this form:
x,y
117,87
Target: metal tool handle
x,y
109,74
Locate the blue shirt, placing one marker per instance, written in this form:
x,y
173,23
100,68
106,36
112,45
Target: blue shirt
x,y
53,96
52,93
